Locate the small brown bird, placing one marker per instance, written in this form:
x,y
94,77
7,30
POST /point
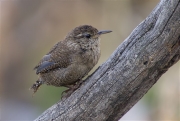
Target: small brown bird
x,y
71,59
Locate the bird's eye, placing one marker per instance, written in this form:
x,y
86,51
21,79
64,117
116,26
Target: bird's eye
x,y
88,36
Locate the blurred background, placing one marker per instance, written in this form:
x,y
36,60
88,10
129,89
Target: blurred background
x,y
29,28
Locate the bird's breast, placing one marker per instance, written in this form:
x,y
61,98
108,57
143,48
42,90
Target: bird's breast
x,y
91,53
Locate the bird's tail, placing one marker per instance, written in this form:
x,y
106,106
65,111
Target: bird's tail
x,y
36,85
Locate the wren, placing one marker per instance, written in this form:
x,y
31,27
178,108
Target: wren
x,y
70,59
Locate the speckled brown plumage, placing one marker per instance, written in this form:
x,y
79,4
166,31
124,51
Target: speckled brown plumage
x,y
71,59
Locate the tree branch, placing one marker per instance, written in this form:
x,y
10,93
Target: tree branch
x,y
135,66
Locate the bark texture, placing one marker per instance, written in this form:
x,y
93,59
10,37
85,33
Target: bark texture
x,y
135,66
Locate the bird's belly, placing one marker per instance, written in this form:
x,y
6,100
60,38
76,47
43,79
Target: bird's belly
x,y
65,76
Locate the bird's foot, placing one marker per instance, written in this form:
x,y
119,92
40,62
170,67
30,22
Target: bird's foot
x,y
67,93
72,88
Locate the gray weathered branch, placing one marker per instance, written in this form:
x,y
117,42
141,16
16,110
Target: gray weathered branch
x,y
135,66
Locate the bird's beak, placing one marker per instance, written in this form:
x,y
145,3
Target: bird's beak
x,y
104,32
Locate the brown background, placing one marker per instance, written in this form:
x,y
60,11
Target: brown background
x,y
30,28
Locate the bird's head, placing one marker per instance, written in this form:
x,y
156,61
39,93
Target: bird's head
x,y
85,34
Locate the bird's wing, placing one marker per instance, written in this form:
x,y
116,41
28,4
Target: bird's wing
x,y
45,65
54,59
